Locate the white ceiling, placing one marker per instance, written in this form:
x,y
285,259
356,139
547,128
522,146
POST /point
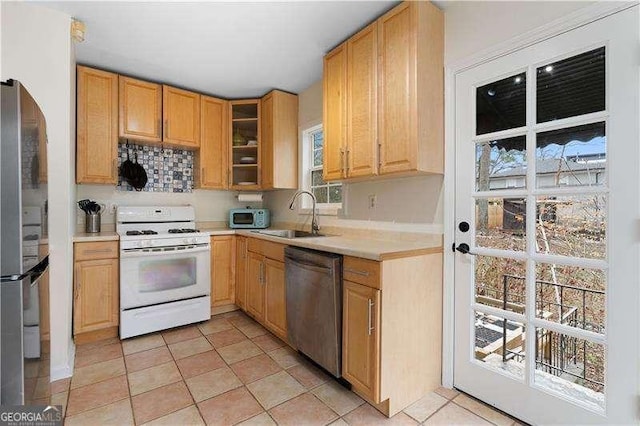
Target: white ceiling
x,y
228,49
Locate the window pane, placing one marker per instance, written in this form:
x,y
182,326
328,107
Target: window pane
x,y
501,164
317,158
501,105
335,194
501,223
572,296
573,226
500,283
321,194
318,137
574,156
572,367
316,178
571,87
500,344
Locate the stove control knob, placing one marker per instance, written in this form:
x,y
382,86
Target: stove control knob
x,y
189,241
145,243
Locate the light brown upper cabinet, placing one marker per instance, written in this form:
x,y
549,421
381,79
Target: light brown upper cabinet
x,y
279,136
97,126
362,67
140,110
411,125
392,117
246,144
181,117
334,85
212,171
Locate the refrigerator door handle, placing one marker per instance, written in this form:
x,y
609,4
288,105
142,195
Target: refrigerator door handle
x,y
34,273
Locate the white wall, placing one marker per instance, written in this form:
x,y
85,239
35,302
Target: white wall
x,y
473,26
209,205
37,51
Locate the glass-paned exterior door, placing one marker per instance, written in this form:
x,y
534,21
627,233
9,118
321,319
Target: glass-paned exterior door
x,y
547,183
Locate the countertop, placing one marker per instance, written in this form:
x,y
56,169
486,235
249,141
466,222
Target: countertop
x,y
83,237
366,248
358,247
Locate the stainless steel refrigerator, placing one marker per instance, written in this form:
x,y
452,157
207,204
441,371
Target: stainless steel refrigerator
x,y
24,255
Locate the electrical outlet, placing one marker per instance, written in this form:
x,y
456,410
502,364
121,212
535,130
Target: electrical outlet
x,y
372,201
112,208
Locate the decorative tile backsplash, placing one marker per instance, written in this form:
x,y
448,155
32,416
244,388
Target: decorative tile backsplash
x,y
168,169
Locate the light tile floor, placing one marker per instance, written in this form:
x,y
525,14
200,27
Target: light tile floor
x,y
229,370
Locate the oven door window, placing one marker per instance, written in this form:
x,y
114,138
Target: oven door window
x,y
166,274
243,218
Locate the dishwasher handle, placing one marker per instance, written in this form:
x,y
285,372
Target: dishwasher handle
x,y
308,265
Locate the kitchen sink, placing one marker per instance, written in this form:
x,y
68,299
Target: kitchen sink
x,y
287,233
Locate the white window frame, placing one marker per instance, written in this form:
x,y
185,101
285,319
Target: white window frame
x,y
304,203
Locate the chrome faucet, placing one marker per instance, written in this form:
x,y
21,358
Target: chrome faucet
x,y
314,221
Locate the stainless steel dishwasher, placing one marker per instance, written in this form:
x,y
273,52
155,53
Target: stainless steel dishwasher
x,y
314,305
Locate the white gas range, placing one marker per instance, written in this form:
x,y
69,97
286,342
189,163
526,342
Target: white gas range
x,y
165,266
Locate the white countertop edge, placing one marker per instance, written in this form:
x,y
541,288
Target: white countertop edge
x,y
376,249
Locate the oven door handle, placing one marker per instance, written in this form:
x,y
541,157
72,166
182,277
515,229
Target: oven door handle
x,y
163,252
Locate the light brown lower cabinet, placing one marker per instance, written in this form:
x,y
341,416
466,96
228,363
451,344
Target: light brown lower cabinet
x,y
265,287
275,295
392,329
96,287
223,259
361,338
241,271
255,291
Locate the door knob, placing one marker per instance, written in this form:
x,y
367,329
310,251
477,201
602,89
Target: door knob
x,y
463,248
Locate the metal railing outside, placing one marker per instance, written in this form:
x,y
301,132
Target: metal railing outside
x,y
555,352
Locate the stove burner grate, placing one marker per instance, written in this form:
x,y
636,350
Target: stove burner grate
x,y
143,232
182,231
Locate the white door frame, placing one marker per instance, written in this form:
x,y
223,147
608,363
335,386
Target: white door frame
x,y
574,20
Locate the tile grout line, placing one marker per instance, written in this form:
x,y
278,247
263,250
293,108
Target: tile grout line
x,y
126,370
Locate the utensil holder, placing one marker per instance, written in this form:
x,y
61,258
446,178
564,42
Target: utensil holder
x,y
92,223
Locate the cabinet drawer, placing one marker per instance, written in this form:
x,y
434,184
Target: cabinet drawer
x,y
268,249
361,271
96,250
